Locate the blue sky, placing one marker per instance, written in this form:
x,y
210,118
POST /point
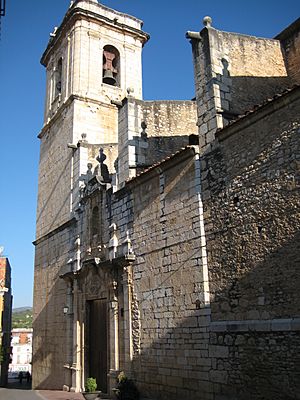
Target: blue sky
x,y
167,73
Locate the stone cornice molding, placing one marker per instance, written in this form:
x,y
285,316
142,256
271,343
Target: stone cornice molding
x,y
182,155
77,13
66,104
48,235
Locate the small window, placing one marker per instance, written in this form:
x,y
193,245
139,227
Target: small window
x,y
193,139
111,66
58,77
95,221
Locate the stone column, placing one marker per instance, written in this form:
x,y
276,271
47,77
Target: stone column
x,y
68,311
114,341
76,371
127,290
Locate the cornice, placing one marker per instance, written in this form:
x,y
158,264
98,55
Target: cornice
x,y
156,169
66,104
77,13
48,235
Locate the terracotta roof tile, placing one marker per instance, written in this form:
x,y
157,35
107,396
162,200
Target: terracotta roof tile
x,y
153,166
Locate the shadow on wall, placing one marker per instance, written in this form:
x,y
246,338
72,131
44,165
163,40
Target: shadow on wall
x,y
153,149
195,361
56,185
251,348
254,211
239,94
247,91
254,277
50,350
190,360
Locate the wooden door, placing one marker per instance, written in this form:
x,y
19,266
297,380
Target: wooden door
x,y
98,343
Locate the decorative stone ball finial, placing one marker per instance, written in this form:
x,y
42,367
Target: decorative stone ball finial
x,y
130,91
207,21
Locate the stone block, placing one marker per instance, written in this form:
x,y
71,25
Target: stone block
x,y
218,351
218,376
281,325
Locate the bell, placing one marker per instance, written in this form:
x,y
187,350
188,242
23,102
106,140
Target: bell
x,y
108,77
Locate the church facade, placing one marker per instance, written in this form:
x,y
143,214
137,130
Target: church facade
x,y
167,231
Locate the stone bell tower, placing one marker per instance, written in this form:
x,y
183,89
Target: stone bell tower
x,y
92,61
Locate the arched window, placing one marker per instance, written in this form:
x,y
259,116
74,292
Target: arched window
x,y
95,221
58,77
111,66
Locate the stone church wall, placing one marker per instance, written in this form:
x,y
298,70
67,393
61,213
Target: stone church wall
x,y
253,188
233,73
50,344
54,173
251,204
98,119
290,42
246,68
149,131
169,277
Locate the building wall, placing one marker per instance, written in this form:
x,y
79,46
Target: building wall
x,y
54,195
21,350
80,41
5,317
51,349
84,104
163,215
192,255
150,131
249,68
78,121
251,203
290,42
233,73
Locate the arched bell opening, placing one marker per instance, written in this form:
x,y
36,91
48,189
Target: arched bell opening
x,y
111,66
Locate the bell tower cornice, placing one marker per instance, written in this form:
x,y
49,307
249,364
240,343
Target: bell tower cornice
x,y
65,105
89,11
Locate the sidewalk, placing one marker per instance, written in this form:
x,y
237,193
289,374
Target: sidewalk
x,y
44,394
59,395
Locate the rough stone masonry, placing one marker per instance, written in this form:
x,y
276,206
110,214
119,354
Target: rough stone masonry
x,y
172,259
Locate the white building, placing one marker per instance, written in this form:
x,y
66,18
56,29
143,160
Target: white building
x,y
21,343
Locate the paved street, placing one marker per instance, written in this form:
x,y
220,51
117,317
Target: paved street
x,y
19,394
17,391
59,395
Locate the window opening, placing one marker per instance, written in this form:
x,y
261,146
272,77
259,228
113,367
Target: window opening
x,y
95,221
111,66
58,77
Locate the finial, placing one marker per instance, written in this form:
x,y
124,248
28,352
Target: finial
x,y
207,21
101,157
130,90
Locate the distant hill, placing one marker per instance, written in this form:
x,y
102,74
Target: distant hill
x,y
22,317
20,309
